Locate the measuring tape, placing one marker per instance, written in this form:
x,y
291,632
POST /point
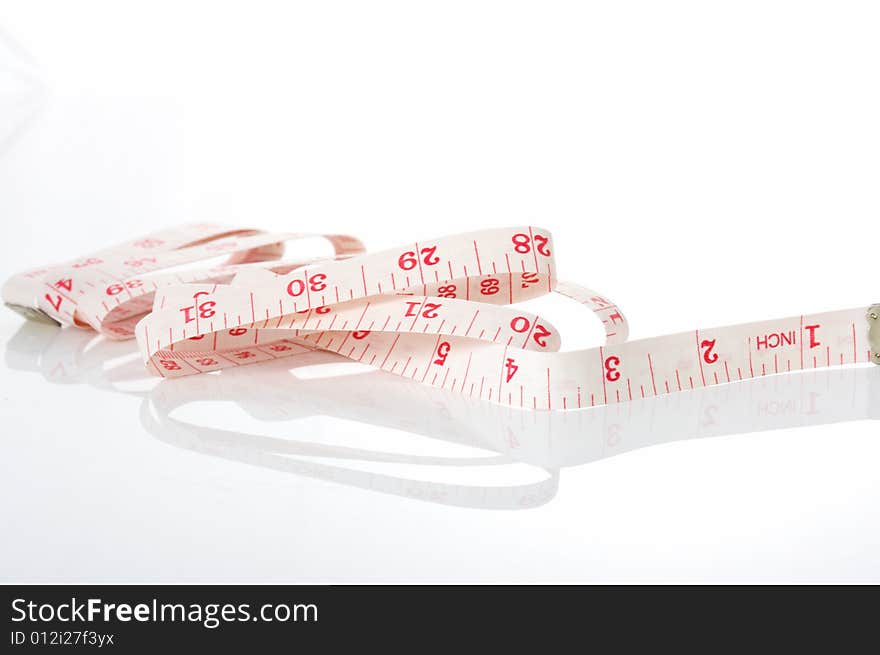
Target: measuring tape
x,y
110,290
434,311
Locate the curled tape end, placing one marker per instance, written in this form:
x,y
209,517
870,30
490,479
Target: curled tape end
x,y
252,277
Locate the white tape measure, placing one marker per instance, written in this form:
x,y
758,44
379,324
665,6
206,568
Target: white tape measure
x,y
111,289
433,311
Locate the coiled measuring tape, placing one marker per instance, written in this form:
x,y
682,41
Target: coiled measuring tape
x,y
438,312
111,289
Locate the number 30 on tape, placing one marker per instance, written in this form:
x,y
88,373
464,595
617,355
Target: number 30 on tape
x,y
440,312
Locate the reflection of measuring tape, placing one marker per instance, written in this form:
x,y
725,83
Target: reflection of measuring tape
x,y
430,311
274,394
277,392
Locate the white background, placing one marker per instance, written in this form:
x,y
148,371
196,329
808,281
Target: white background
x,y
702,163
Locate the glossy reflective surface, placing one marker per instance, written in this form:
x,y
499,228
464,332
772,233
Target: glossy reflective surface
x,y
313,469
736,185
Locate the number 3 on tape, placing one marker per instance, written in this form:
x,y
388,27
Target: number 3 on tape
x,y
440,312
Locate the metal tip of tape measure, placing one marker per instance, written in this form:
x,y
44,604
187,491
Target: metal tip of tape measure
x,y
33,314
874,333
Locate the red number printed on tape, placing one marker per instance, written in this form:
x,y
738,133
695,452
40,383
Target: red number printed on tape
x,y
112,289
